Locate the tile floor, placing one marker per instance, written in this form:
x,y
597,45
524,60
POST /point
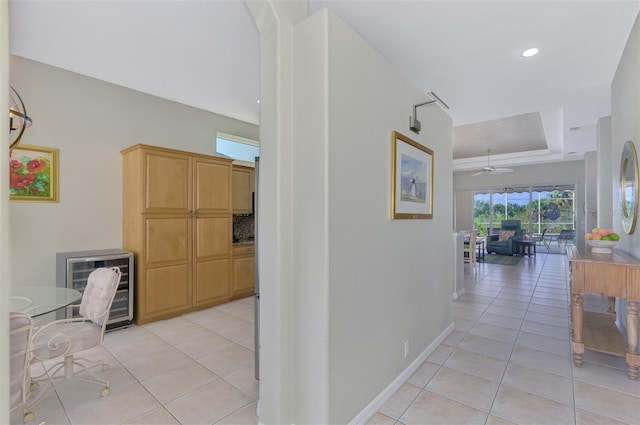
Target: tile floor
x,y
508,361
193,369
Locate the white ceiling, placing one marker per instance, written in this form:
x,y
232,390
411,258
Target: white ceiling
x,y
205,54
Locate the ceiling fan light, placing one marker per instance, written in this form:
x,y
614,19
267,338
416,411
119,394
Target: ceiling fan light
x,y
530,52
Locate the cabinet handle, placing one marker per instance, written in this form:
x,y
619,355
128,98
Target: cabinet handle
x,y
190,213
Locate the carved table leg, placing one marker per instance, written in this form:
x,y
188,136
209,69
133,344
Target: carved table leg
x,y
632,340
612,306
577,345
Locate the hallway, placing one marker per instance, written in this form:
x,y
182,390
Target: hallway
x,y
508,361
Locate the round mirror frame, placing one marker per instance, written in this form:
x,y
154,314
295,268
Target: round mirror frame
x,y
629,179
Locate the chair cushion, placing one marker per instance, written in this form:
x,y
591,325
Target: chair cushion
x,y
505,235
510,225
98,294
61,339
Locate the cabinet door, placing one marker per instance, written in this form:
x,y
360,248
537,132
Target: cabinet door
x,y
243,276
213,237
167,187
212,186
212,267
166,291
242,188
167,239
211,281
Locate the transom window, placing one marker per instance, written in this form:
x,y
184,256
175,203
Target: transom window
x,y
241,149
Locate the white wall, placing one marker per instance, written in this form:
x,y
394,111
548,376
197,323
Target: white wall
x,y
604,168
625,125
5,261
463,209
625,110
90,121
591,191
382,281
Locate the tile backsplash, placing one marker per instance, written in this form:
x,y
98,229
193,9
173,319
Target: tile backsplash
x,y
243,227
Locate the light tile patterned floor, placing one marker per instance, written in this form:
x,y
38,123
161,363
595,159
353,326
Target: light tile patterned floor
x,y
192,369
507,362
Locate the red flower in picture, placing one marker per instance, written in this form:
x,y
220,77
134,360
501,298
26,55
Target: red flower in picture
x,y
29,176
24,181
15,165
14,179
36,165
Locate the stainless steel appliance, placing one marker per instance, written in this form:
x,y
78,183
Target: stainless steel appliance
x,y
256,301
73,269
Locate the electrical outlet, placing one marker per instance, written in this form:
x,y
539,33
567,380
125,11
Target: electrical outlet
x,y
406,348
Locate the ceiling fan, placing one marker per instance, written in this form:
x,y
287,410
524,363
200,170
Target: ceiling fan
x,y
492,170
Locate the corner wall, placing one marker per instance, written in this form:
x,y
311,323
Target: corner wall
x,y
604,168
625,125
5,258
90,121
381,282
591,191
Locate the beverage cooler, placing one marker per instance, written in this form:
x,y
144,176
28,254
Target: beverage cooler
x,y
73,270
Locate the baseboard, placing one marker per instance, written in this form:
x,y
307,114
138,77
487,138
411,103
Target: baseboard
x,y
458,294
377,403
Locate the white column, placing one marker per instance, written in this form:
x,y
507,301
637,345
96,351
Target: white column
x,y
5,272
275,21
605,183
458,265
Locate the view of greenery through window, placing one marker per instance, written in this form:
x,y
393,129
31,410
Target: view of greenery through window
x,y
537,208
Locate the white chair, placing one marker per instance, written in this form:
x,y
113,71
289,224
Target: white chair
x,y
20,363
67,337
470,249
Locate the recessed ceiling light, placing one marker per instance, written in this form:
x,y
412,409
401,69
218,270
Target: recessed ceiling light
x,y
530,52
258,101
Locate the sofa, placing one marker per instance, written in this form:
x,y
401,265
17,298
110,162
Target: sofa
x,y
503,243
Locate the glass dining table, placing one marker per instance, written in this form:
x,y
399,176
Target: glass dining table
x,y
39,300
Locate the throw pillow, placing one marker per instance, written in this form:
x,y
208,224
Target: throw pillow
x,y
505,235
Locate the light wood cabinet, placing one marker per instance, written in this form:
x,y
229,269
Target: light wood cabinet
x,y
177,221
243,284
243,188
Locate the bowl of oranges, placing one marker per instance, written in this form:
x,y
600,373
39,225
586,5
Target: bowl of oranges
x,y
602,240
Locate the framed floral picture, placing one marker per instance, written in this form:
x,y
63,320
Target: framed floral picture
x,y
412,179
33,174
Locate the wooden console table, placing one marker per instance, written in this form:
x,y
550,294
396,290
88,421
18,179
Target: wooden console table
x,y
611,275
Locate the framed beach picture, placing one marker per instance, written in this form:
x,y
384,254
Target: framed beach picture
x,y
33,174
412,179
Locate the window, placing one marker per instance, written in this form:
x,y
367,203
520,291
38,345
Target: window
x,y
238,148
537,207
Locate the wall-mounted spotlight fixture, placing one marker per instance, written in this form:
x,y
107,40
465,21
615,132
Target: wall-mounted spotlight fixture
x,y
414,124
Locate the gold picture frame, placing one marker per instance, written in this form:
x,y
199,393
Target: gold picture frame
x,y
629,186
33,174
412,179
